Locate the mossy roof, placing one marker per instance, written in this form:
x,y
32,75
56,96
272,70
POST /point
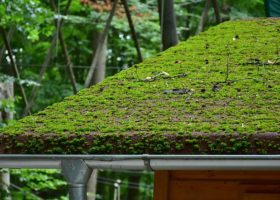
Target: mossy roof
x,y
216,93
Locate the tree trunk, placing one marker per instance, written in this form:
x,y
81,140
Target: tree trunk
x,y
188,19
102,41
217,11
168,24
99,75
133,192
100,70
132,30
159,6
204,17
6,92
5,183
91,186
14,64
225,10
3,49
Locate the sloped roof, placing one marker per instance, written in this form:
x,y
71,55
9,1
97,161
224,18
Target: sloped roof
x,y
216,93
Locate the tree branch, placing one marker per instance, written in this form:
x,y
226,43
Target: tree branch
x,y
204,17
132,29
46,61
217,11
2,51
69,64
14,65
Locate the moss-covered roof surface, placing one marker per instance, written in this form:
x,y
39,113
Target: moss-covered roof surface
x,y
216,93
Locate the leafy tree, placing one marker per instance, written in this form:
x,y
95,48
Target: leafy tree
x,y
38,184
28,16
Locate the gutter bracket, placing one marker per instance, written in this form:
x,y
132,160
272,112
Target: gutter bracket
x,y
77,174
147,162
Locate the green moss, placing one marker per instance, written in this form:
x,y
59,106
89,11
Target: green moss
x,y
212,85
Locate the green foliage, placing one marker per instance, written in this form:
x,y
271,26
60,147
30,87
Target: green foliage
x,y
5,78
27,15
143,185
7,105
25,82
83,21
54,86
245,9
188,13
38,184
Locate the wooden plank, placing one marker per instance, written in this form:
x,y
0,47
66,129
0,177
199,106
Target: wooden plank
x,y
161,188
261,196
217,185
226,175
204,190
261,187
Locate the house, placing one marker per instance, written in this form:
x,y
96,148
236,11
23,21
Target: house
x,y
204,115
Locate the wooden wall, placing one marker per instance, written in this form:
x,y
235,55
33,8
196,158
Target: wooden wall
x,y
217,185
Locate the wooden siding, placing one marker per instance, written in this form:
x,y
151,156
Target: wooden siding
x,y
217,185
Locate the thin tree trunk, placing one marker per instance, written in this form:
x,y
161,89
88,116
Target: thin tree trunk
x,y
188,18
217,11
91,186
159,6
46,62
90,75
69,64
225,10
100,70
6,92
41,75
2,51
133,193
204,17
13,64
98,75
168,23
132,30
5,184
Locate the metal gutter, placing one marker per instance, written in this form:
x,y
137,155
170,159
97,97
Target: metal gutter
x,y
146,161
77,168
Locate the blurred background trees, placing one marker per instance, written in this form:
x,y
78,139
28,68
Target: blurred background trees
x,y
30,25
31,30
